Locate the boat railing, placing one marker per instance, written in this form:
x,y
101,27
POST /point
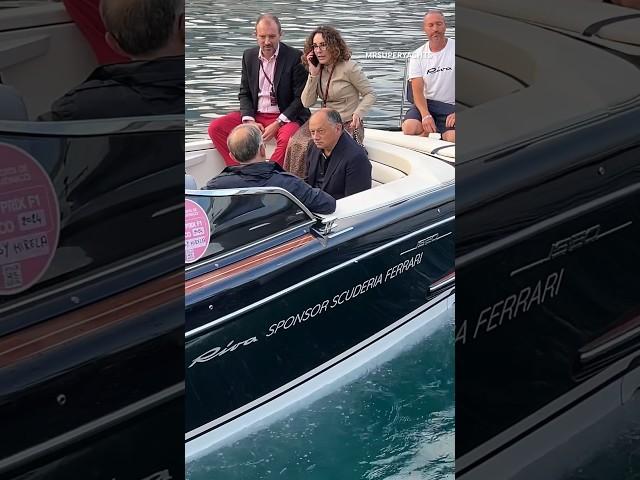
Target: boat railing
x,y
406,96
404,87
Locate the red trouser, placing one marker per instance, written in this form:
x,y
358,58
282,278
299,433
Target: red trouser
x,y
220,128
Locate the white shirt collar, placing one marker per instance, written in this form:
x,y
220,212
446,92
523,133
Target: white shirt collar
x,y
275,54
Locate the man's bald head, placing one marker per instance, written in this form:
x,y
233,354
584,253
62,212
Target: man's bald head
x,y
328,114
436,13
144,29
244,144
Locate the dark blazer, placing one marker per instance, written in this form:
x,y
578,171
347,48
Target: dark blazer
x,y
348,171
269,174
290,79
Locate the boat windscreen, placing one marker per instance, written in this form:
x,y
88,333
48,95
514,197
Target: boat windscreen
x,y
75,206
220,224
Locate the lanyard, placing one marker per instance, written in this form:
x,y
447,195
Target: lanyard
x,y
267,76
326,92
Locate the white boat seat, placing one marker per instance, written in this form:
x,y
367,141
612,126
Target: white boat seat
x,y
414,173
381,173
12,106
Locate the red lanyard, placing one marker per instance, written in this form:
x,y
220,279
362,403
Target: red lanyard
x,y
326,92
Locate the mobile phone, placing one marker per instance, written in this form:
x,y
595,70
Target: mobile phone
x,y
314,60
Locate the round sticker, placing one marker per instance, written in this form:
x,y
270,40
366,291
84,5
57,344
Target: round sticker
x,y
197,231
29,220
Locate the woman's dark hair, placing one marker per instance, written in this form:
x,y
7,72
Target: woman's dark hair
x,y
336,46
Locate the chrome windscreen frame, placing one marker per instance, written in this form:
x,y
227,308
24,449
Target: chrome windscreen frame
x,y
229,192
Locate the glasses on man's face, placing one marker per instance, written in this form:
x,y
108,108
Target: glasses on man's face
x,y
322,46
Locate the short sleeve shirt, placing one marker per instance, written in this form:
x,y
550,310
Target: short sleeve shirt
x,y
438,70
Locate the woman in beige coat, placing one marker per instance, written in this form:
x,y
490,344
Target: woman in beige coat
x,y
338,82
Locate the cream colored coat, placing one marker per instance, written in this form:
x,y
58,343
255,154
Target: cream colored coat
x,y
348,85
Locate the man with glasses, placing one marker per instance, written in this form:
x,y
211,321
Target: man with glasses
x,y
272,80
432,71
246,147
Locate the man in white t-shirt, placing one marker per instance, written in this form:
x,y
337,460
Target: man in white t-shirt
x,y
432,72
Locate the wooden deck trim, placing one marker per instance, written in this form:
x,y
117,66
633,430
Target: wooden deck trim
x,y
209,279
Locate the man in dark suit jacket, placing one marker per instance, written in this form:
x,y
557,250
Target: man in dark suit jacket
x,y
273,78
335,162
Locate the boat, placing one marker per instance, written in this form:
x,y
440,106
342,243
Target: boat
x,y
91,329
283,305
548,343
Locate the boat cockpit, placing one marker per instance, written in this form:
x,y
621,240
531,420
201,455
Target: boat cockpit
x,y
397,174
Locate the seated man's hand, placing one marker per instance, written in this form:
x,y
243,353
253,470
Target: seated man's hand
x,y
451,120
270,131
259,125
428,124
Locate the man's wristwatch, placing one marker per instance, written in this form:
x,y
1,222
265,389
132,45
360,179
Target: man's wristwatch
x,y
281,122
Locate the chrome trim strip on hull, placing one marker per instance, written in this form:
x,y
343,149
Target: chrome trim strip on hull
x,y
522,234
610,344
92,427
444,283
319,369
287,290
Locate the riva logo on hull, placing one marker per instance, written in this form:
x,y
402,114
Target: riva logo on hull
x,y
219,351
345,296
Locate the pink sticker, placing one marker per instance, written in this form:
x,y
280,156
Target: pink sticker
x,y
29,220
197,231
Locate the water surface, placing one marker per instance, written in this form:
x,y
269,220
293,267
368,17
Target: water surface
x,y
395,422
218,32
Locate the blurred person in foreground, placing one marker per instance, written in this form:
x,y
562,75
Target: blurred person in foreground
x,y
86,16
150,33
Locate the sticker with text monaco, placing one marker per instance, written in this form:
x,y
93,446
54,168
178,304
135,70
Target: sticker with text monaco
x,y
29,220
197,231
